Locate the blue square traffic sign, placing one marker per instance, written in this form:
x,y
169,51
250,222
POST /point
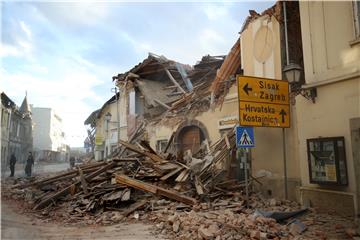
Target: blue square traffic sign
x,y
245,137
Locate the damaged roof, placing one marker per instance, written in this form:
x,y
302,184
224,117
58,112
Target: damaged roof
x,y
170,87
91,120
275,11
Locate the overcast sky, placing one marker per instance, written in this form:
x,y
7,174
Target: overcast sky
x,y
65,53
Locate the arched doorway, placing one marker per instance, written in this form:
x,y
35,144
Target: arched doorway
x,y
189,136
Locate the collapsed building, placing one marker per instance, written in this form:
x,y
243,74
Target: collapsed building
x,y
191,107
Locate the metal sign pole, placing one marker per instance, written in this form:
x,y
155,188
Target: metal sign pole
x,y
285,170
244,161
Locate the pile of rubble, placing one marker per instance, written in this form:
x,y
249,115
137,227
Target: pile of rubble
x,y
133,173
187,198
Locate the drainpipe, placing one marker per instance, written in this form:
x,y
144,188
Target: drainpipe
x,y
286,35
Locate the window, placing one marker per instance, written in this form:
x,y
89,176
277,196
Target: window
x,y
161,145
327,161
356,6
132,103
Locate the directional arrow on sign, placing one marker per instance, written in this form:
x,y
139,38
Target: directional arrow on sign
x,y
283,114
246,88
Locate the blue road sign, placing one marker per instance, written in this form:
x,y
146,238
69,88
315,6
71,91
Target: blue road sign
x,y
245,137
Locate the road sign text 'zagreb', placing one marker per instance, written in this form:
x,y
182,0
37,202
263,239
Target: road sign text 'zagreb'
x,y
263,102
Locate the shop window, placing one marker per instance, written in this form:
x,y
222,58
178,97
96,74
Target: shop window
x,y
161,145
327,161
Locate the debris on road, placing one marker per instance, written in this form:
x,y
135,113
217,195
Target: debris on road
x,y
185,198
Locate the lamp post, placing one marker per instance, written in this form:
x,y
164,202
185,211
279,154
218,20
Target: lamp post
x,y
107,119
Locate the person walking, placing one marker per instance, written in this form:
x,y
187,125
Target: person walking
x,y
12,164
72,162
29,164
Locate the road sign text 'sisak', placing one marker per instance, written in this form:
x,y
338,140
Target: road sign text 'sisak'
x,y
263,102
263,90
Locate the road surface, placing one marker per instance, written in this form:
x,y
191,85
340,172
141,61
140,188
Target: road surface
x,y
17,226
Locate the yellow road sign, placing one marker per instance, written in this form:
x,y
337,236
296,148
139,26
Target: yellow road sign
x,y
264,114
264,90
98,139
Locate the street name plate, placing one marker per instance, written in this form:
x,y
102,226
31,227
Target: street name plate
x,y
264,90
264,115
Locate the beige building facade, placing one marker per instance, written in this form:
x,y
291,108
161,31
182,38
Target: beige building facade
x,y
107,124
261,57
331,50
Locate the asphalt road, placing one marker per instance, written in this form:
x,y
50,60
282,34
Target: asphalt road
x,y
15,225
20,227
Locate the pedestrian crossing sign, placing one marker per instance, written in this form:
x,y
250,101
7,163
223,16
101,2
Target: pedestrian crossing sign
x,y
245,137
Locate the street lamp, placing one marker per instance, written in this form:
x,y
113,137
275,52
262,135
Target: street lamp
x,y
107,119
108,116
292,73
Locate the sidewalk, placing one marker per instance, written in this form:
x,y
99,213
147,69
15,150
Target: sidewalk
x,y
38,168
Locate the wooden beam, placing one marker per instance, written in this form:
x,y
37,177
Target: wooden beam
x,y
64,176
227,141
134,207
124,180
174,94
169,142
170,174
170,87
174,81
83,181
67,190
133,148
162,104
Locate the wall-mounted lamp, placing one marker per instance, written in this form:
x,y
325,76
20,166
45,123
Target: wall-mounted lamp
x,y
108,116
292,73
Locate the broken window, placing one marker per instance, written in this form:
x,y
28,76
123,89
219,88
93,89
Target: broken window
x,y
161,145
327,160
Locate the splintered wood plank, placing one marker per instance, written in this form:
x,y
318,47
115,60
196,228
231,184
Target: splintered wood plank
x,y
182,176
168,166
169,142
68,189
126,195
122,179
227,142
177,186
198,186
134,207
176,196
83,181
133,148
170,174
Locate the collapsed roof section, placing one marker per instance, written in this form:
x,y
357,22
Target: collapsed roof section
x,y
7,102
91,120
169,87
274,10
23,111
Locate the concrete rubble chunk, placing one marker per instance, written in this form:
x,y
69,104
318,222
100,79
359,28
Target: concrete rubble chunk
x,y
176,226
207,233
255,234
